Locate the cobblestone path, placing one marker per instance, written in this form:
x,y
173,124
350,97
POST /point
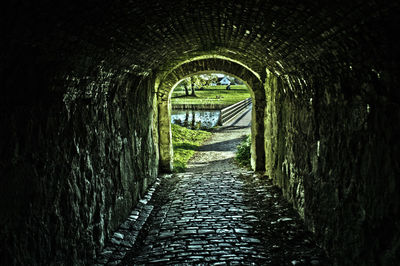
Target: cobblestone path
x,y
216,214
206,220
223,218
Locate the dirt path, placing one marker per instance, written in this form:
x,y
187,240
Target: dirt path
x,y
217,154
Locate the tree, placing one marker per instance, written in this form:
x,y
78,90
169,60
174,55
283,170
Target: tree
x,y
198,81
194,80
208,79
186,89
190,82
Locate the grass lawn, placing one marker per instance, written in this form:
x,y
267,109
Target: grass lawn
x,y
185,143
212,95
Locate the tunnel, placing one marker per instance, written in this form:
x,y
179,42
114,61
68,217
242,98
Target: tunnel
x,y
85,127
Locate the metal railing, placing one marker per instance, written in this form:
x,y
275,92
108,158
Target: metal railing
x,y
232,110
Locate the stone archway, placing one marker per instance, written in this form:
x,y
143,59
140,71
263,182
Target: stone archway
x,y
235,69
79,141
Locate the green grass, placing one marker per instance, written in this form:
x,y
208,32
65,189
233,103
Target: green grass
x,y
212,95
185,143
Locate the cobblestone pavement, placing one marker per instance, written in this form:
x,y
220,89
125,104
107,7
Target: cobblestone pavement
x,y
215,214
215,218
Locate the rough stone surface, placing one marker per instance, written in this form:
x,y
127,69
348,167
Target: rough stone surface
x,y
333,162
223,218
75,164
80,123
125,237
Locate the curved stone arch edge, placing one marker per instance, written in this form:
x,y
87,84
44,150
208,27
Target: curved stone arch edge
x,y
210,72
182,62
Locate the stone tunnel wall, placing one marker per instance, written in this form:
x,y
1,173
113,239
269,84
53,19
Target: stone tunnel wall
x,y
334,153
335,156
77,152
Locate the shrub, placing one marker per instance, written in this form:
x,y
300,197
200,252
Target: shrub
x,y
243,154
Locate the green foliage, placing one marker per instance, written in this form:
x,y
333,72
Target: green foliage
x,y
212,95
185,143
197,82
200,80
243,154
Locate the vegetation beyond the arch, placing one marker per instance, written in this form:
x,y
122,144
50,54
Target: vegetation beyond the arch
x,y
185,143
243,154
212,65
212,95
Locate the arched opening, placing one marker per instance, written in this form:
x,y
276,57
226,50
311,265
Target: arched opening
x,y
215,107
83,86
212,65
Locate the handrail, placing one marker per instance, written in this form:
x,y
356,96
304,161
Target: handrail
x,y
232,110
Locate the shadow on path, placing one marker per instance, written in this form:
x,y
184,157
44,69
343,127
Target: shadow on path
x,y
218,153
221,146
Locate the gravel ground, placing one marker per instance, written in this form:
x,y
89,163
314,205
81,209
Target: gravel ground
x,y
218,153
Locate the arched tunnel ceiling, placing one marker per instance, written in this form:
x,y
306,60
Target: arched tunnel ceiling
x,y
153,35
